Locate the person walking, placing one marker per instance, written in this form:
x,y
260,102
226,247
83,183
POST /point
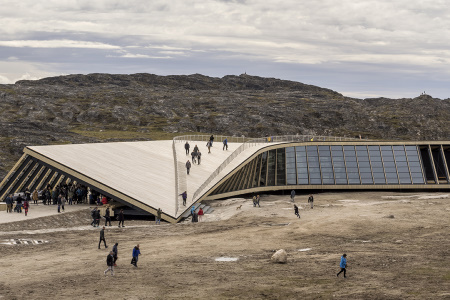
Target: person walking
x,y
9,203
107,216
102,238
184,195
225,144
193,155
97,217
63,202
121,218
188,166
26,205
58,201
254,201
211,140
115,252
158,216
343,265
292,195
35,197
257,200
186,147
296,211
209,145
199,156
110,263
311,200
136,253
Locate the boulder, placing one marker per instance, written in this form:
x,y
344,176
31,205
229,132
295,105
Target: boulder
x,y
280,257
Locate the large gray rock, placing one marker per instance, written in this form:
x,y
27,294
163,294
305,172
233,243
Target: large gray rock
x,y
280,257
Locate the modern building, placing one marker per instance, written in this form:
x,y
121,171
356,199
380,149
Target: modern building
x,y
146,176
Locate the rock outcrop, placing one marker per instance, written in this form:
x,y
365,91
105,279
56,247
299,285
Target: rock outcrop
x,y
105,107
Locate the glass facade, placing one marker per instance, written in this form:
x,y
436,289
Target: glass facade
x,y
337,165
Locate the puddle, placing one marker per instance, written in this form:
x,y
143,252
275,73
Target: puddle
x,y
303,250
226,259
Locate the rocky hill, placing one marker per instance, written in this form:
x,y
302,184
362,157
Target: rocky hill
x,y
105,107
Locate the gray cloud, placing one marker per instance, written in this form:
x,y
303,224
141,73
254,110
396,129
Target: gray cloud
x,y
385,48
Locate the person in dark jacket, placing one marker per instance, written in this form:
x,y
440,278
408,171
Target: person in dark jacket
x,y
292,195
199,156
9,203
107,216
102,238
211,140
115,253
184,195
296,211
186,147
225,144
188,166
110,263
121,218
97,217
311,200
136,253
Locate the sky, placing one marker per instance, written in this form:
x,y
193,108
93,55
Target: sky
x,y
360,48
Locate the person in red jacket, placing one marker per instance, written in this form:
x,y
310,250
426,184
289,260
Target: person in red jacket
x,y
200,214
26,205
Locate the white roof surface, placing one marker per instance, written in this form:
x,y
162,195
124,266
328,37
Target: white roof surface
x,y
145,170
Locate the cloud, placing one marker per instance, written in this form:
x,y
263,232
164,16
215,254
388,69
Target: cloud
x,y
366,37
56,44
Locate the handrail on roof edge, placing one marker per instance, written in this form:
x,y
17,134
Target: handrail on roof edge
x,y
246,143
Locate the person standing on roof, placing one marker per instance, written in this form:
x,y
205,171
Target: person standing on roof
x,y
194,155
188,166
186,147
199,156
225,144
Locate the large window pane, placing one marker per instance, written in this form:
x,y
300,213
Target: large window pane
x,y
281,172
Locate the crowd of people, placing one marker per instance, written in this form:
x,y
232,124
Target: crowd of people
x,y
60,195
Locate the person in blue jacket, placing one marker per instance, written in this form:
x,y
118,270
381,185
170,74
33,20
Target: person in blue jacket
x,y
343,265
136,253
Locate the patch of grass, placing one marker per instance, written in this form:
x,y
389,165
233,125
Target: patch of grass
x,y
446,276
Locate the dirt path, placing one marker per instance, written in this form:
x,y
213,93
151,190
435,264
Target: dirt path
x,y
397,246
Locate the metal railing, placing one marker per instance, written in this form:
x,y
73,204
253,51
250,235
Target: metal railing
x,y
175,160
247,143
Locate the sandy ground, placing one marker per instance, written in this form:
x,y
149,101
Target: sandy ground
x,y
397,246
